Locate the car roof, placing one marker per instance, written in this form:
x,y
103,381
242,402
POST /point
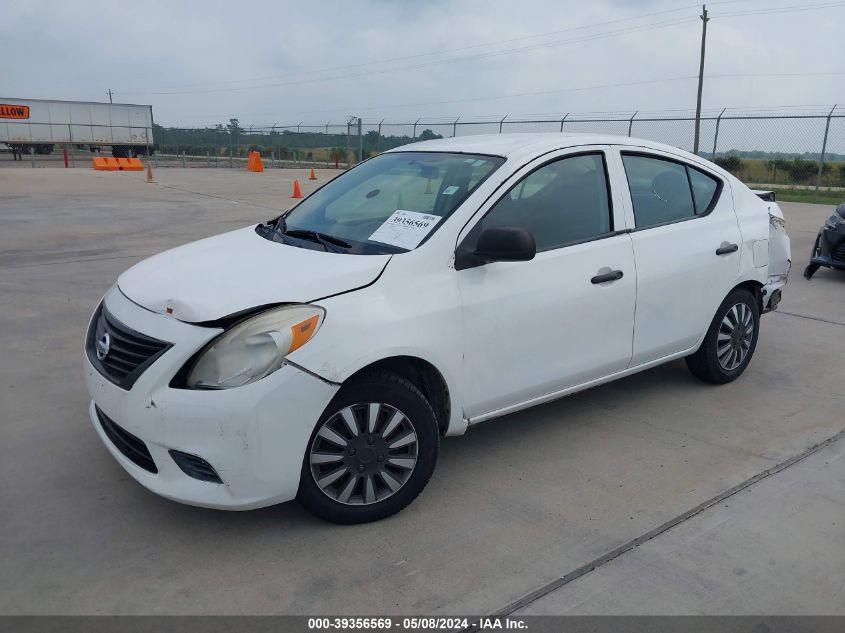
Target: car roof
x,y
522,144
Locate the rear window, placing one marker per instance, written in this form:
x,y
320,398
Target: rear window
x,y
704,189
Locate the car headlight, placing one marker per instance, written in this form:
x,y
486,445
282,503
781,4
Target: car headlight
x,y
834,220
254,348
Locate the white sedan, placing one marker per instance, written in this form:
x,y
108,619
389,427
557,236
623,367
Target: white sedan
x,y
323,354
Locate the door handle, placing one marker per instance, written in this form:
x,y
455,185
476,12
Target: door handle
x,y
613,275
726,248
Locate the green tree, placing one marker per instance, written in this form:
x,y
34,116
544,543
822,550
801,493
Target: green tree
x,y
730,163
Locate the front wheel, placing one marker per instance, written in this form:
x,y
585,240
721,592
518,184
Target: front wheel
x,y
811,268
372,452
730,341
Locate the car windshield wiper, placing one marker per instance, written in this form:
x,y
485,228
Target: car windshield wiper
x,y
329,242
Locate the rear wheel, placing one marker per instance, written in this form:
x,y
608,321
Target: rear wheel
x,y
372,451
730,341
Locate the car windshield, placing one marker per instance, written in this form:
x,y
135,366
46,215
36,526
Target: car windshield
x,y
389,204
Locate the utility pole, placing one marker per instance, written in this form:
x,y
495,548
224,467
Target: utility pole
x,y
110,94
704,20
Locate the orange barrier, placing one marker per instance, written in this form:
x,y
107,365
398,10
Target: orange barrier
x,y
254,163
297,191
104,163
108,163
312,175
130,164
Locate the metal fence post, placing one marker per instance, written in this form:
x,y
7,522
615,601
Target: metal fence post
x,y
502,123
360,143
378,138
631,122
716,135
207,158
183,158
272,158
72,152
32,155
824,149
562,120
415,129
455,127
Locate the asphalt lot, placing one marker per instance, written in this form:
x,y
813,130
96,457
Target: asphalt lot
x,y
514,506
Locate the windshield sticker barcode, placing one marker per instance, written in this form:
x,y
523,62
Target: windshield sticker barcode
x,y
405,229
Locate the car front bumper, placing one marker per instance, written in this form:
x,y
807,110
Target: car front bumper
x,y
253,436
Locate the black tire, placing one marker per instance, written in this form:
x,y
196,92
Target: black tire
x,y
811,268
393,393
705,364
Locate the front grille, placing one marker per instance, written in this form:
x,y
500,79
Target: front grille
x,y
195,467
132,447
839,253
129,352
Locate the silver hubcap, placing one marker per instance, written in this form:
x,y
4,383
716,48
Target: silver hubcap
x,y
364,453
734,338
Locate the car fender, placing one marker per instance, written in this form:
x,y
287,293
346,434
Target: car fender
x,y
412,310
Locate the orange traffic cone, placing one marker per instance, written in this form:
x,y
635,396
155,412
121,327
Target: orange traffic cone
x,y
150,172
312,175
428,187
297,192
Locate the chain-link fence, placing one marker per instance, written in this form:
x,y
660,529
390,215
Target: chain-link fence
x,y
805,149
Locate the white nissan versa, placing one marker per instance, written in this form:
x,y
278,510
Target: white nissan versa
x,y
322,355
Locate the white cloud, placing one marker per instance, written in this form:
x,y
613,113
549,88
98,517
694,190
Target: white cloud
x,y
77,50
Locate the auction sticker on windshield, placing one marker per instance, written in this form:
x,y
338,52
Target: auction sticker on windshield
x,y
405,229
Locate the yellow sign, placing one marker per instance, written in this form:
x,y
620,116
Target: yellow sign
x,y
8,111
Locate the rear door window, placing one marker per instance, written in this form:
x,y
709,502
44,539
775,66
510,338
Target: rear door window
x,y
664,191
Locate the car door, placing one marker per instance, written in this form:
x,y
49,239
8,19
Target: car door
x,y
537,327
685,238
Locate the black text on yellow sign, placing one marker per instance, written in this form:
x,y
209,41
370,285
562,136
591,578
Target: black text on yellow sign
x,y
13,111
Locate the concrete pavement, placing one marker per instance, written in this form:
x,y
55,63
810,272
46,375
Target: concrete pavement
x,y
514,505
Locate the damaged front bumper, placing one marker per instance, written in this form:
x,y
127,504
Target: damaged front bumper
x,y
232,449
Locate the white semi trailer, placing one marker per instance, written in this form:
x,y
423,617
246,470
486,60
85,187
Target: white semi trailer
x,y
40,125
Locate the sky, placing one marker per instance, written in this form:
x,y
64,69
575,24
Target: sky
x,y
279,62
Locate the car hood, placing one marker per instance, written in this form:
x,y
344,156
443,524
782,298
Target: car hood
x,y
229,273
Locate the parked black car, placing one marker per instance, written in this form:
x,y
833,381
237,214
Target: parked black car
x,y
829,249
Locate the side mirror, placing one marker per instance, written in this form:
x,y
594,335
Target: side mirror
x,y
505,244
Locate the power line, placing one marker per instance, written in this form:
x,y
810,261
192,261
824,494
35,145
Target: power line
x,y
795,8
460,48
488,54
592,37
